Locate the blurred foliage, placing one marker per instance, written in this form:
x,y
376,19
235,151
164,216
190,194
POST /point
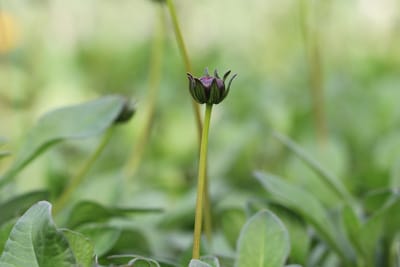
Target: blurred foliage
x,y
58,53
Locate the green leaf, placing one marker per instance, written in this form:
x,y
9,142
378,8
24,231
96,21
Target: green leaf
x,y
300,240
210,260
232,221
35,241
382,224
123,259
131,241
81,247
353,227
263,242
309,208
198,263
330,180
375,199
89,211
5,230
73,122
18,205
104,237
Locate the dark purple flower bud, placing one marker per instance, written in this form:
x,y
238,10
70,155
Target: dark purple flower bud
x,y
209,89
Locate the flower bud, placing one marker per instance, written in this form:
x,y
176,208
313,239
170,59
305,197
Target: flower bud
x,y
209,89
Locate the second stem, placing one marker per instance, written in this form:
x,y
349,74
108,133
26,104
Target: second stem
x,y
201,183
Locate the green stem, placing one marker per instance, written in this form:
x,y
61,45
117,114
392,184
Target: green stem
x,y
201,182
80,175
183,50
313,53
154,85
196,108
207,211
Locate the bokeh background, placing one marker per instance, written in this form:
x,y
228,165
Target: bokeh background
x,y
57,53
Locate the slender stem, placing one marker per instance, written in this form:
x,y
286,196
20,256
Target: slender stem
x,y
207,210
196,108
154,85
80,175
314,61
183,50
201,183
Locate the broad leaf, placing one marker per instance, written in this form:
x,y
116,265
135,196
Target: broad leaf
x,y
18,205
210,260
198,263
35,241
308,207
123,259
81,247
73,122
5,230
300,239
89,211
263,242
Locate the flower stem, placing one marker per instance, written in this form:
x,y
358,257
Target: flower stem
x,y
196,108
154,85
201,182
183,50
80,175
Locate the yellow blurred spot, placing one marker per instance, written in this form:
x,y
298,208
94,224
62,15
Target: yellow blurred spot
x,y
8,32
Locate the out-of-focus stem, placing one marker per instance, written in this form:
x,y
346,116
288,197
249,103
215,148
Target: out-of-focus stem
x,y
81,174
196,108
154,85
313,53
201,183
183,50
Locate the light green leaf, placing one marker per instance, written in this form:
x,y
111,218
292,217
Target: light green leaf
x,y
120,260
72,122
81,247
263,242
210,260
198,263
300,240
18,205
89,211
309,208
35,241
